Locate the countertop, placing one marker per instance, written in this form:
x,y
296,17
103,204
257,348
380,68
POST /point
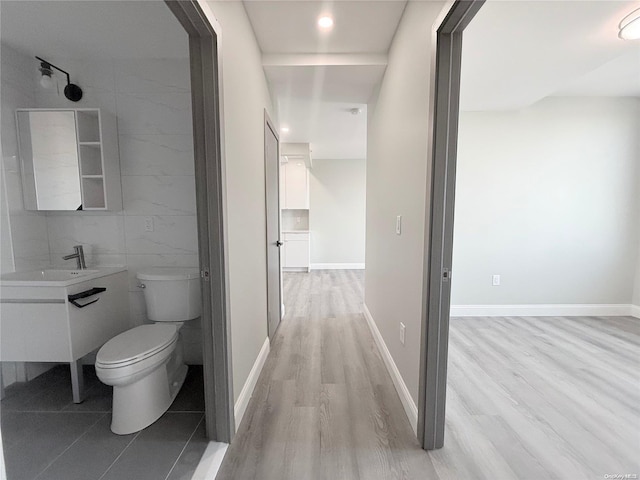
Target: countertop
x,y
47,277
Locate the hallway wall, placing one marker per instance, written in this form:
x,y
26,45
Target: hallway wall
x,y
636,291
245,96
337,191
397,184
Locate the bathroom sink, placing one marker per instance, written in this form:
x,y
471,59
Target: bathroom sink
x,y
54,277
44,275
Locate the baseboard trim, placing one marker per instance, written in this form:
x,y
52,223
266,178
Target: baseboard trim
x,y
247,390
550,310
635,311
409,405
337,266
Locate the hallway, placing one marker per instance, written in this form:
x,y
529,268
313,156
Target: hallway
x,y
325,406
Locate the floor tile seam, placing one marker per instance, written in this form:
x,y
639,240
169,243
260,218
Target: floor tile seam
x,y
120,455
86,393
184,448
71,445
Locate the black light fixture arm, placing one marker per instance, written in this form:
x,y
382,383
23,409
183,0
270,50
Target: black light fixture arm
x,y
71,91
49,64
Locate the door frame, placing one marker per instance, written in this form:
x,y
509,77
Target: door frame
x,y
269,123
446,63
208,141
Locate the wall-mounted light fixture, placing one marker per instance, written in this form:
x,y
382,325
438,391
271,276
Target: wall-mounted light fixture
x,y
72,91
630,26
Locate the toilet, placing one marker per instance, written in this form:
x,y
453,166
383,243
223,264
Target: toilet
x,y
145,364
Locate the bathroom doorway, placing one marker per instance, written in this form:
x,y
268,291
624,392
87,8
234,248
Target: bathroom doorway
x,y
159,213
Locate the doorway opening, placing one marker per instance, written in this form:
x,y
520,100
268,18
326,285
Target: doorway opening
x,y
151,197
516,339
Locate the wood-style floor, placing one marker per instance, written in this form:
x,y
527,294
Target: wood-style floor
x,y
528,398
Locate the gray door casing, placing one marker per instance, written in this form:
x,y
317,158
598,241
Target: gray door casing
x,y
272,200
208,141
446,65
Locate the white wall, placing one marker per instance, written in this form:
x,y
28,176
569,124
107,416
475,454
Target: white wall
x,y
28,248
151,100
23,233
397,180
548,197
337,194
245,96
636,290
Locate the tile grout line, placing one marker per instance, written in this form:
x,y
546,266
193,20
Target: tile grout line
x,y
184,448
119,455
71,445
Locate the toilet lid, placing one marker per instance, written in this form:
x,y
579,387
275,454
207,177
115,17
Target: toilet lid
x,y
137,344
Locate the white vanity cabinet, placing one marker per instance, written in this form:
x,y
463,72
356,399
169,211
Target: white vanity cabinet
x,y
294,185
296,251
40,323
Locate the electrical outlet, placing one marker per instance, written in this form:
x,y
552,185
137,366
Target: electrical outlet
x,y
298,219
399,225
402,330
148,224
495,281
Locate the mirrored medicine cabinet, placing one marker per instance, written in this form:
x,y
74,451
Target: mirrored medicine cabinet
x,y
63,161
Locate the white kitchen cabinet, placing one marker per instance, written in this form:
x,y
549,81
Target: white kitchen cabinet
x,y
296,252
294,186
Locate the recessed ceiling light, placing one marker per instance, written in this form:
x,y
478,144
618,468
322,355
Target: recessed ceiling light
x,y
325,22
630,26
284,129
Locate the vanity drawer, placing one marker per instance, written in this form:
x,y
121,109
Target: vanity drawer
x,y
34,332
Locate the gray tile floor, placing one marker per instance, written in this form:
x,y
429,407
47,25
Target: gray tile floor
x,y
48,437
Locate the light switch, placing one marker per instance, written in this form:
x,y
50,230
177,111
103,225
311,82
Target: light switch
x,y
399,225
402,331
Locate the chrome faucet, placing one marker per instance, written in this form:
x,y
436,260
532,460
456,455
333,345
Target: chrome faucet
x,y
79,256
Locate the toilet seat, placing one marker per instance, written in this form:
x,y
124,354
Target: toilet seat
x,y
136,345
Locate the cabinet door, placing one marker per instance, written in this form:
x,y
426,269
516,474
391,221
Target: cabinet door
x,y
297,191
297,255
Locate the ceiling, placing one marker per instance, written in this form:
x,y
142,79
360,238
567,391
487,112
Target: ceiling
x,y
102,29
317,77
326,83
336,133
290,26
517,52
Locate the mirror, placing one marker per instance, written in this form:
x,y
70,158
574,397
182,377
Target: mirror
x,y
49,155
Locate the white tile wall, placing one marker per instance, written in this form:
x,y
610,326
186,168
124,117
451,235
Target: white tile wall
x,y
156,154
28,246
172,234
105,233
154,113
152,103
159,195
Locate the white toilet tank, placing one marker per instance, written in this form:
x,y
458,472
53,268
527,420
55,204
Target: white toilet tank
x,y
171,294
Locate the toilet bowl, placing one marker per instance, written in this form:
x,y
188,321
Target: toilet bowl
x,y
145,364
